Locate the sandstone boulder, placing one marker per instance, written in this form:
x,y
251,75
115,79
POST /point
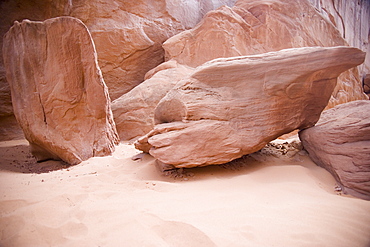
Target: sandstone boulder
x,y
246,29
340,142
254,27
59,97
230,107
9,12
134,111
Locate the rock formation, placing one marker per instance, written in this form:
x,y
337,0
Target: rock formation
x,y
340,142
254,27
59,97
230,107
250,27
351,18
134,111
128,35
9,12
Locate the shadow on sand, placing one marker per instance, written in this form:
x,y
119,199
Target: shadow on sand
x,y
17,158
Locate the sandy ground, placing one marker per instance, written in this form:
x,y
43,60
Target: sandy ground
x,y
265,199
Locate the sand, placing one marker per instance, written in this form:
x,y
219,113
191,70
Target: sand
x,y
265,199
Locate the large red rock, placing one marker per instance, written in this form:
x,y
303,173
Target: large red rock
x,y
254,27
19,10
59,96
250,27
340,142
230,107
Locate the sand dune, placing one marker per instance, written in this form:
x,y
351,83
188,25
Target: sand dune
x,y
264,199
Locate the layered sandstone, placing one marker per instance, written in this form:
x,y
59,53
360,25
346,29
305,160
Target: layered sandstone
x,y
59,96
340,142
254,27
250,27
351,18
230,107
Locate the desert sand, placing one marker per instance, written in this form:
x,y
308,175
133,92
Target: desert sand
x,y
264,199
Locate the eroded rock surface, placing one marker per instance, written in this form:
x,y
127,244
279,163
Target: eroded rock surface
x,y
127,34
230,107
351,18
248,28
134,111
19,10
340,142
59,97
254,27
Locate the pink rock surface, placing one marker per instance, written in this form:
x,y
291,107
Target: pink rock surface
x,y
127,34
251,27
254,27
340,142
59,96
230,107
134,111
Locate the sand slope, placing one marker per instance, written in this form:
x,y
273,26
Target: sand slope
x,y
260,200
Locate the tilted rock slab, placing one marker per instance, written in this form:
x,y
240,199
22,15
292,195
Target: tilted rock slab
x,y
248,28
230,107
58,93
340,142
255,27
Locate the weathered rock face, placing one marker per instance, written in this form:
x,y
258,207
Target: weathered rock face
x,y
351,18
19,10
254,27
230,107
340,142
59,97
127,34
250,27
134,111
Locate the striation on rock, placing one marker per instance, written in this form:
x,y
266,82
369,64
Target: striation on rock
x,y
128,35
351,18
340,142
254,27
249,28
19,10
59,96
230,107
